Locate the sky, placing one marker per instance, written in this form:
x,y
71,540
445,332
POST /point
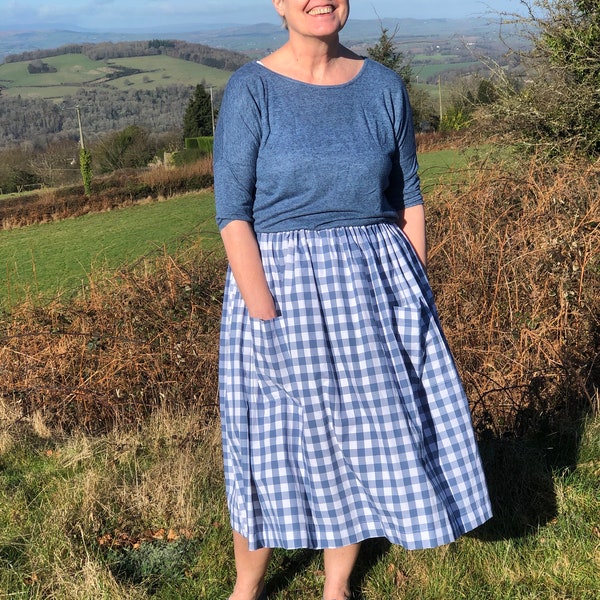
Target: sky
x,y
129,15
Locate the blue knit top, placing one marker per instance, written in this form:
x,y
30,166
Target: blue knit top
x,y
291,155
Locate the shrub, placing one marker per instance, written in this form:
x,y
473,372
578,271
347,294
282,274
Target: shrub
x,y
515,264
144,339
121,188
204,144
554,110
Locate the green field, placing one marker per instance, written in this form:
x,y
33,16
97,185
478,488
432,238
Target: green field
x,y
434,58
60,257
424,72
164,70
74,71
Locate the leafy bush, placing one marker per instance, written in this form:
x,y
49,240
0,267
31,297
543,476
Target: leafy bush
x,y
555,109
204,144
153,562
129,148
85,166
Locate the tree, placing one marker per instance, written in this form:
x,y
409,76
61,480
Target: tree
x,y
556,109
198,118
129,148
386,53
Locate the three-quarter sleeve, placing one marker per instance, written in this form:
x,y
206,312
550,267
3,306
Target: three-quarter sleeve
x,y
236,144
404,185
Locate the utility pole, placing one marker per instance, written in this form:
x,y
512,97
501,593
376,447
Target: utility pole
x,y
440,95
81,140
212,110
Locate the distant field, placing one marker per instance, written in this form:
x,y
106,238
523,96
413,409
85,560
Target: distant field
x,y
434,58
164,70
74,71
423,72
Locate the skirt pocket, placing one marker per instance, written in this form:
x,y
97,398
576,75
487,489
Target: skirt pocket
x,y
409,326
272,358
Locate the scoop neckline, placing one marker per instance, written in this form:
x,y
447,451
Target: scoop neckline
x,y
315,85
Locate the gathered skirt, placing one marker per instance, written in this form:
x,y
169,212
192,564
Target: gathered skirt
x,y
344,418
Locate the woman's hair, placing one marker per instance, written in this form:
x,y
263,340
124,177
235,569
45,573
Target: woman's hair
x,y
284,23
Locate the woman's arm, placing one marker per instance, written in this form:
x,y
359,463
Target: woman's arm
x,y
246,265
412,221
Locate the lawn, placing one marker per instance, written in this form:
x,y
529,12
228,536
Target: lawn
x,y
423,72
61,257
139,515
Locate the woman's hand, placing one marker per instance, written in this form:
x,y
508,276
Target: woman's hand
x,y
412,222
246,265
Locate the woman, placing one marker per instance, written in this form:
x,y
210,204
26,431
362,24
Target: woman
x,y
343,416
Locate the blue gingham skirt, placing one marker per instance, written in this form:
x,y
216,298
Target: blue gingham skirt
x,y
344,418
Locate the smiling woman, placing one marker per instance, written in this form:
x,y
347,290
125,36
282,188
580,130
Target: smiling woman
x,y
342,412
320,17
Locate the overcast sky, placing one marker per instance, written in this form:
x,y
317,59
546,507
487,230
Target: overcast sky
x,y
111,15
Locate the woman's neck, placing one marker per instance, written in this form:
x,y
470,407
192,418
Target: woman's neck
x,y
314,61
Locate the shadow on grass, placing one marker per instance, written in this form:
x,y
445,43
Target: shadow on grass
x,y
519,470
292,563
530,435
371,553
520,473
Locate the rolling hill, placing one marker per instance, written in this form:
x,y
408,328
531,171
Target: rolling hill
x,y
72,73
149,82
146,83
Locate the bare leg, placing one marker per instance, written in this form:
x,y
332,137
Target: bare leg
x,y
339,563
251,566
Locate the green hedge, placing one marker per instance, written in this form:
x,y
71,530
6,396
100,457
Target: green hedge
x,y
204,144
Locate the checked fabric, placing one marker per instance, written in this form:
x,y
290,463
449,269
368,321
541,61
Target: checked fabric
x,y
344,418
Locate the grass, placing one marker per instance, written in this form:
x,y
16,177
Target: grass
x,y
424,72
165,70
142,514
438,166
62,256
449,166
434,58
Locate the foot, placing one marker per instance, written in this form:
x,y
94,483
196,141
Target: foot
x,y
262,595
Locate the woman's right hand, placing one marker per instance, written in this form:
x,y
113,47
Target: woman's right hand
x,y
244,258
265,311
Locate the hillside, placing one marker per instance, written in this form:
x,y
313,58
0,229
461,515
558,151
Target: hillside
x,y
148,83
144,83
